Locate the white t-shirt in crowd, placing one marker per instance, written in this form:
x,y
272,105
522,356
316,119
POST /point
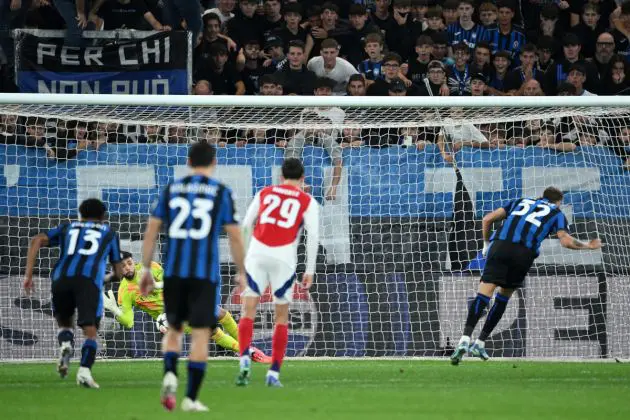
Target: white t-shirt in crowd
x,y
340,73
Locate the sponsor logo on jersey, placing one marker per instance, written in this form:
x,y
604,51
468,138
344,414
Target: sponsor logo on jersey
x,y
303,320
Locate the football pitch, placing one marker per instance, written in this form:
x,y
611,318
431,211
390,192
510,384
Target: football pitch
x,y
370,389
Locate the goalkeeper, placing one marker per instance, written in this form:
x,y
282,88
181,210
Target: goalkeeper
x,y
129,296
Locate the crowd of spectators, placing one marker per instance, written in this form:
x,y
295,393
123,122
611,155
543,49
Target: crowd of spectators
x,y
365,47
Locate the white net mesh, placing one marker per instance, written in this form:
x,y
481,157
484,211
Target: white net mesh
x,y
398,258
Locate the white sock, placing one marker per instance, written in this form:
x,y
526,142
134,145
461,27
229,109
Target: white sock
x,y
464,340
245,362
480,343
84,371
273,374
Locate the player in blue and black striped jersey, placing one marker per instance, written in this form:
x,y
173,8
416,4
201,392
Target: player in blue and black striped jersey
x,y
194,211
77,280
510,252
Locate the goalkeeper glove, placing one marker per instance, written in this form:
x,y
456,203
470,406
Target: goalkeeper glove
x,y
486,246
109,303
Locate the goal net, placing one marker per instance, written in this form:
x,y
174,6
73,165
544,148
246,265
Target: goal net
x,y
400,242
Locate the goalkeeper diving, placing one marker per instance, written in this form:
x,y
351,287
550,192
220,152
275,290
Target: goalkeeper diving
x,y
129,296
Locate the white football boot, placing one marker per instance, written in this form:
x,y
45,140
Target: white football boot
x,y
193,406
84,378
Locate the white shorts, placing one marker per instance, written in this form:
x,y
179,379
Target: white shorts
x,y
263,272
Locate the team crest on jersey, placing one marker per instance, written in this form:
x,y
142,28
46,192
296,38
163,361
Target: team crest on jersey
x,y
303,320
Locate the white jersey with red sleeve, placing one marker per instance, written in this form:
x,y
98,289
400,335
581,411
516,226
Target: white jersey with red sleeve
x,y
279,213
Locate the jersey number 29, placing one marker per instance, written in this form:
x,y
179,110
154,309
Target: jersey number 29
x,y
288,213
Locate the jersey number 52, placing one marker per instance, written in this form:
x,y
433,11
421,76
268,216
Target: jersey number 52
x,y
535,216
287,214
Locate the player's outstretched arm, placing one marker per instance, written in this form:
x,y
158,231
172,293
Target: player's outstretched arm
x,y
570,242
486,226
123,313
238,250
148,245
125,299
38,241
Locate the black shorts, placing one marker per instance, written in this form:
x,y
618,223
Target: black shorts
x,y
507,264
81,293
192,300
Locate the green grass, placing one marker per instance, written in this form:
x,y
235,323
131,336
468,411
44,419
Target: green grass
x,y
370,389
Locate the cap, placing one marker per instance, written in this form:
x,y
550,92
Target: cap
x,y
479,76
570,39
273,41
397,86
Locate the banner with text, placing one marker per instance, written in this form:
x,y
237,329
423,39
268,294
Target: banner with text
x,y
156,65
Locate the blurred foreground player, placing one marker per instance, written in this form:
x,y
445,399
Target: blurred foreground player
x,y
279,213
194,210
77,280
511,251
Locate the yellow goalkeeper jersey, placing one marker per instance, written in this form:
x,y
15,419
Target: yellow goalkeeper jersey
x,y
129,296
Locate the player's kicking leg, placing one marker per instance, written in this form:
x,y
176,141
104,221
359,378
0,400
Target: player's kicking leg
x,y
64,304
171,347
202,322
478,349
245,334
475,311
196,369
279,344
89,313
65,337
88,356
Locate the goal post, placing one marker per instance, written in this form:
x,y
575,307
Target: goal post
x,y
399,252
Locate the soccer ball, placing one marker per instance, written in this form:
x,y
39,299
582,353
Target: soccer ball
x,y
161,323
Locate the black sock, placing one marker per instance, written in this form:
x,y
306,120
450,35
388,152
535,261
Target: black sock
x,y
494,316
196,371
65,335
88,353
170,362
474,312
